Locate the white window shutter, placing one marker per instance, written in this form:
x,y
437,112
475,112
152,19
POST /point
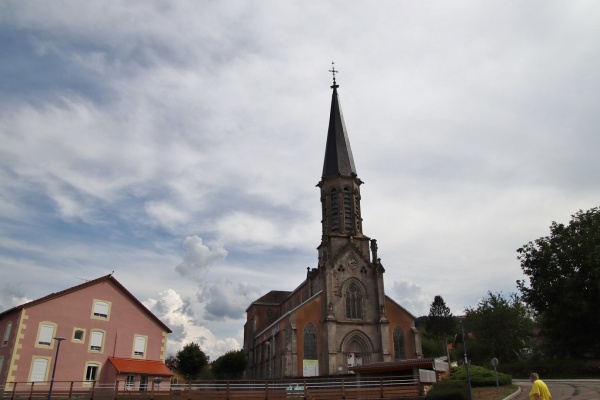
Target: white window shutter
x,y
96,340
7,333
46,334
38,372
139,346
101,309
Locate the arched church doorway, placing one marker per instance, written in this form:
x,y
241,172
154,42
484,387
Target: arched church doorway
x,y
357,350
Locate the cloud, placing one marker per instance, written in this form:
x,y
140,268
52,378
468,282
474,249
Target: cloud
x,y
198,257
411,296
176,313
127,127
226,299
12,296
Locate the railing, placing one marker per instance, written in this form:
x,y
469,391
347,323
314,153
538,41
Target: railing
x,y
312,388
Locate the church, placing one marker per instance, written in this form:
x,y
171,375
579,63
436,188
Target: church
x,y
340,316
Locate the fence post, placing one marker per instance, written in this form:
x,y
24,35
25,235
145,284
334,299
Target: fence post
x,y
381,387
305,389
116,389
12,396
93,389
227,390
343,388
31,391
71,389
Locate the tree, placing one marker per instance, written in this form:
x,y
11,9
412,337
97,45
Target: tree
x,y
440,322
190,360
498,327
564,284
231,365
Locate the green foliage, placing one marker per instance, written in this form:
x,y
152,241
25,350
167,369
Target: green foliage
x,y
191,360
440,322
432,347
448,390
563,287
231,365
479,376
207,374
499,327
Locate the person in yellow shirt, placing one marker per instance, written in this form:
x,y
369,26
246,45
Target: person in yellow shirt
x,y
539,390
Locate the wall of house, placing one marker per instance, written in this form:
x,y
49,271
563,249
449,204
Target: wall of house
x,y
7,341
73,312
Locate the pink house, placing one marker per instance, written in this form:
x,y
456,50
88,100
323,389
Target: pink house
x,y
109,336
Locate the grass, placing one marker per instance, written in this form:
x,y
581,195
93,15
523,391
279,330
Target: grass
x,y
493,393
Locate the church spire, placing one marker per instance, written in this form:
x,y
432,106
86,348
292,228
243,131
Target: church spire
x,y
340,186
338,155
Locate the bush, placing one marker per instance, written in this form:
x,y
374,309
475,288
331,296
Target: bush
x,y
479,376
455,387
449,389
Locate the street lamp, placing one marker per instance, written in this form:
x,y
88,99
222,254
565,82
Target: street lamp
x,y
462,329
58,339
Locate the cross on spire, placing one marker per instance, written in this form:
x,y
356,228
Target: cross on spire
x,y
333,71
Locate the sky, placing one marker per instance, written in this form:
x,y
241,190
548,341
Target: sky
x,y
178,144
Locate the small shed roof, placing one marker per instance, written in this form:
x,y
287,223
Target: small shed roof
x,y
132,365
393,366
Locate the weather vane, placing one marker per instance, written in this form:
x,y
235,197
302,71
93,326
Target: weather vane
x,y
333,71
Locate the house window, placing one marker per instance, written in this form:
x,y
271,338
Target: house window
x,y
91,372
139,346
129,381
7,334
143,382
39,369
174,381
45,334
353,302
399,344
310,342
1,363
78,335
101,309
96,341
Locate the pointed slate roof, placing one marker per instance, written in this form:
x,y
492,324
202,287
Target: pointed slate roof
x,y
338,155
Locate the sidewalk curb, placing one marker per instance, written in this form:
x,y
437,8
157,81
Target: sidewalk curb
x,y
515,394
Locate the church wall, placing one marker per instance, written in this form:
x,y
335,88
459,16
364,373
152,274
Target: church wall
x,y
299,296
310,312
263,316
277,350
397,316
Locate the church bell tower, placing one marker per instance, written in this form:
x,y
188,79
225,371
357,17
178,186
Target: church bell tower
x,y
351,274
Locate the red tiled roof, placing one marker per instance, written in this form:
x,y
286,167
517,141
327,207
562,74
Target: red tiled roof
x,y
148,367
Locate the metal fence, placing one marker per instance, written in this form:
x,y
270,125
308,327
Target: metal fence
x,y
314,389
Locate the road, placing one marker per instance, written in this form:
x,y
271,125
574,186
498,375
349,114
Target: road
x,y
580,389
